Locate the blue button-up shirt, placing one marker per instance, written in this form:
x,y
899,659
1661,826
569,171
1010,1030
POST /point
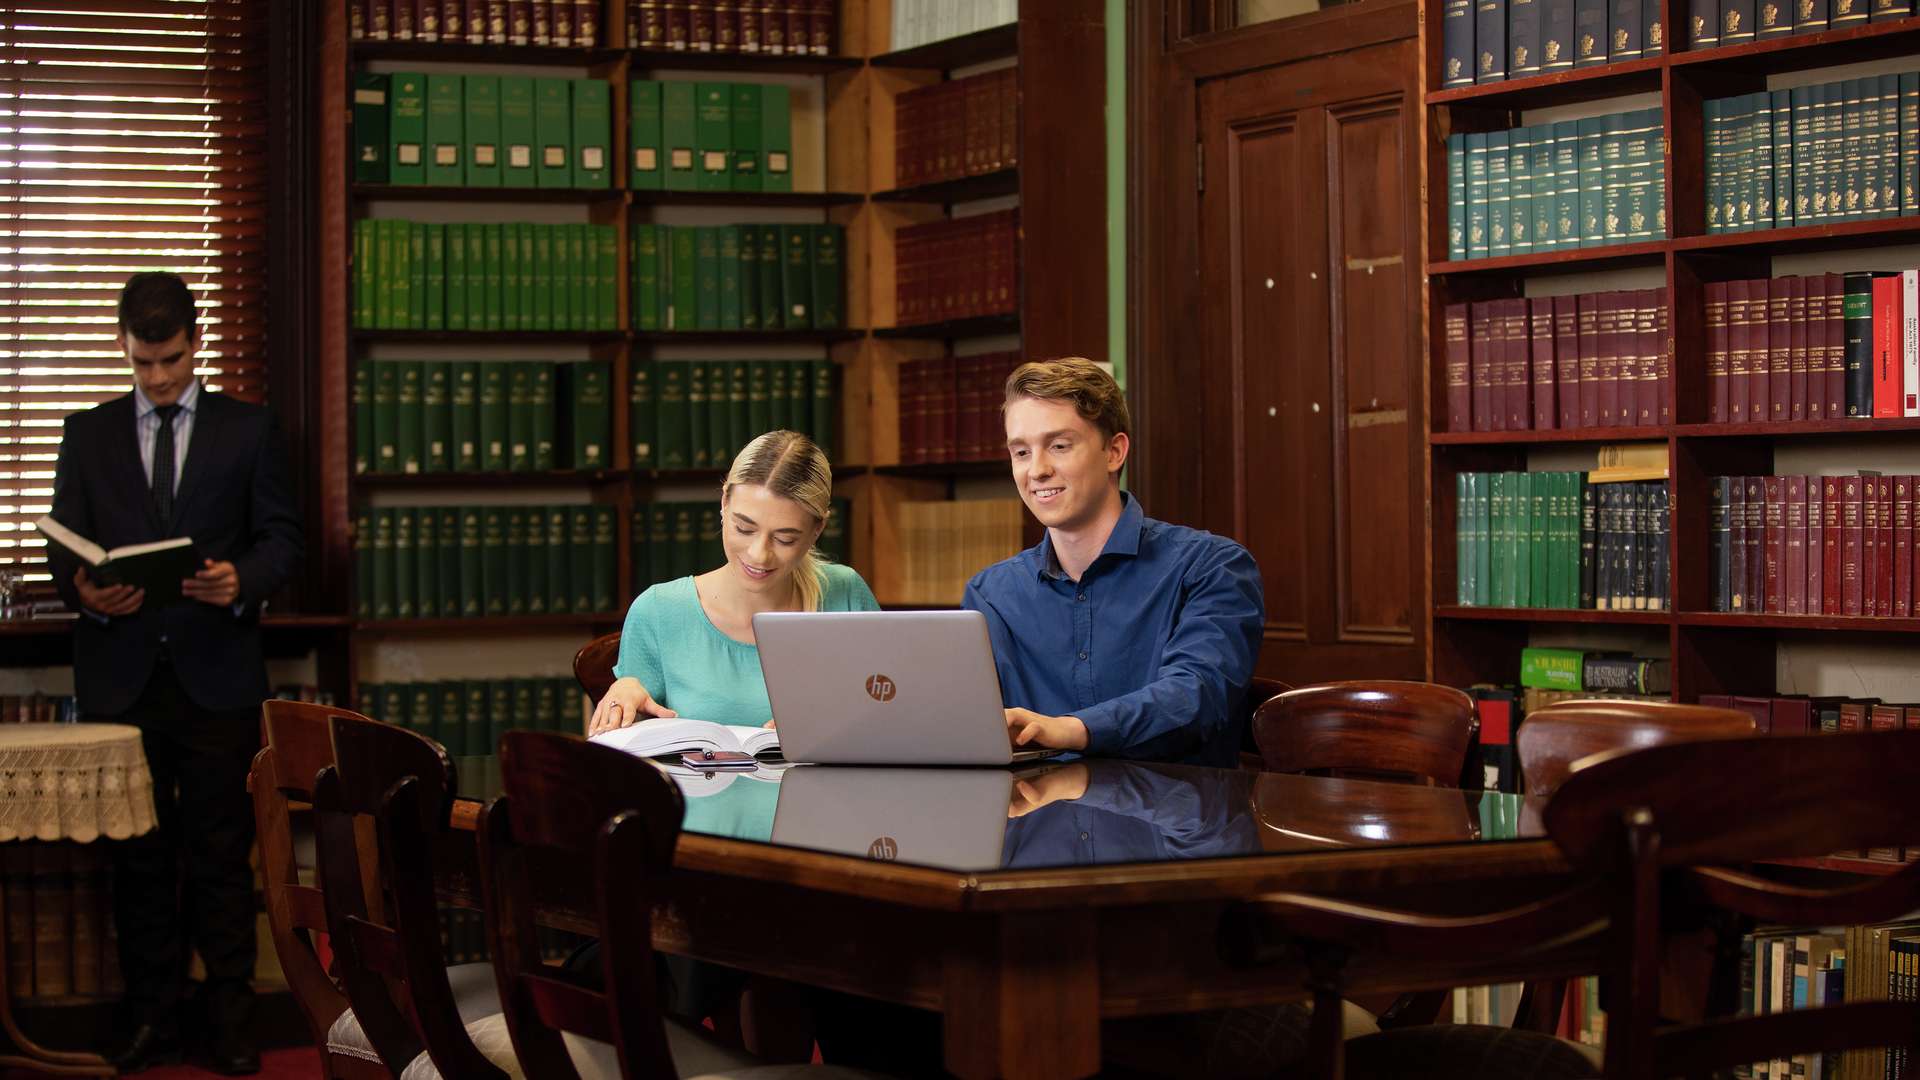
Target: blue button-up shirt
x,y
1152,648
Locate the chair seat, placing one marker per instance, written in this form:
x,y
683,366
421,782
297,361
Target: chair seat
x,y
474,994
695,1056
1470,1050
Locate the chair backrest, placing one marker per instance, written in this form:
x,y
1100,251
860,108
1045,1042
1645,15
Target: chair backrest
x,y
391,962
1259,692
567,799
1384,726
1693,806
593,665
1554,737
299,744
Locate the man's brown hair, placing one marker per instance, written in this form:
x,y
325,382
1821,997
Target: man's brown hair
x,y
1076,379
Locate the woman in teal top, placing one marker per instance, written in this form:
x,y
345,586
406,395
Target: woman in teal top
x,y
687,648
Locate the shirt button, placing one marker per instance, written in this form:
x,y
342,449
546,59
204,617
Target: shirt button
x,y
1083,656
1082,598
1086,836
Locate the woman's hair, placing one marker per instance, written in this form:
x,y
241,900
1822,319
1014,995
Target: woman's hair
x,y
788,464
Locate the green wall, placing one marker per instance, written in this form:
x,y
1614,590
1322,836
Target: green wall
x,y
1116,24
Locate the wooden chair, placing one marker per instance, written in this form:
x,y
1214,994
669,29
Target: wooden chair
x,y
567,799
378,810
1259,692
1380,727
1553,738
298,745
593,665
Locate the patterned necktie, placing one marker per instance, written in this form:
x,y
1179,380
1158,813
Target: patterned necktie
x,y
163,463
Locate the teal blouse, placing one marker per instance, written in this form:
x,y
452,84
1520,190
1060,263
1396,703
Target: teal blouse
x,y
688,665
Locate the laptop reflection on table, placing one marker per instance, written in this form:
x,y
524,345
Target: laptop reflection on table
x,y
953,819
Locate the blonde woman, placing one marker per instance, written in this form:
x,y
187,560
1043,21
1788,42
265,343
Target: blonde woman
x,y
687,648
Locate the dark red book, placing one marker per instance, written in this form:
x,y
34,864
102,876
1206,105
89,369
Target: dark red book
x,y
542,32
1587,329
560,23
1903,545
1739,344
1717,352
946,409
1480,353
1540,329
1646,360
799,26
1613,310
1519,385
1775,545
1779,363
1759,333
587,29
1459,369
1850,545
726,26
496,22
912,409
357,20
1883,547
380,20
700,26
520,22
1832,543
752,34
1796,348
1761,709
646,24
406,20
1869,543
1010,118
773,27
473,15
1756,543
428,27
1889,347
1738,579
453,20
1853,714
1717,701
1912,718
1790,716
1793,559
1663,356
1913,513
678,17
1834,344
1885,718
1566,361
820,27
1816,544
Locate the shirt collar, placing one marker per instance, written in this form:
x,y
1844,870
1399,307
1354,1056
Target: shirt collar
x,y
142,405
1123,540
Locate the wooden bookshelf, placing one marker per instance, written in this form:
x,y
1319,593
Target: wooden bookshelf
x,y
1712,652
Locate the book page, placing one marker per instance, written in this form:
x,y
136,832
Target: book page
x,y
72,541
661,737
129,551
756,740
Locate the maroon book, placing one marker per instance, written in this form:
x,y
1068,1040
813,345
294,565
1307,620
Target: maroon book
x,y
1480,362
726,26
1566,361
1717,352
1793,548
357,20
1834,345
946,401
1832,546
773,26
820,27
380,20
1738,580
1717,701
588,29
453,20
1756,543
700,26
1913,514
1646,364
1885,718
678,17
1883,548
1850,545
1790,716
406,20
1540,328
474,15
1775,541
1010,117
651,20
542,32
1519,385
1796,348
496,22
1853,714
560,23
1903,545
1663,356
799,26
1758,343
1816,544
427,20
1613,310
1459,369
1587,329
1779,352
1739,338
520,22
1869,542
1761,709
752,35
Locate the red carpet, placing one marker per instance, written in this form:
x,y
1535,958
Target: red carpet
x,y
291,1063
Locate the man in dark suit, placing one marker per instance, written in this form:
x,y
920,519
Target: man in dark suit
x,y
172,459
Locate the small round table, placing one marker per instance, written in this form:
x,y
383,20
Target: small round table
x,y
74,782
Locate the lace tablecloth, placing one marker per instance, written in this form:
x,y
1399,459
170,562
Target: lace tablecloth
x,y
73,782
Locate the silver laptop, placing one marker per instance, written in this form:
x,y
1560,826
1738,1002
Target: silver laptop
x,y
885,688
955,819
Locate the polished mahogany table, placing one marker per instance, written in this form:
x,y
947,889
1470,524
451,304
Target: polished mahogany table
x,y
1027,906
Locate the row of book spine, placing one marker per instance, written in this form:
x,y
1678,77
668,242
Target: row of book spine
x,y
463,930
962,127
944,544
493,560
1785,350
950,407
1814,155
696,414
1561,362
957,269
1814,545
1489,41
672,540
454,130
1715,23
770,27
468,716
738,277
60,934
709,136
1591,182
565,23
438,416
922,22
507,276
37,708
1553,540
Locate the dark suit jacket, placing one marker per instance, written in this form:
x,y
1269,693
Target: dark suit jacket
x,y
233,498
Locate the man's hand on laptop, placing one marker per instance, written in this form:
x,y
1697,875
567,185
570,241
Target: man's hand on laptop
x,y
626,702
1063,784
1031,729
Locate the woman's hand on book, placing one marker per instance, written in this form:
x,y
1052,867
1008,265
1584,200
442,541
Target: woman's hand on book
x,y
109,600
626,702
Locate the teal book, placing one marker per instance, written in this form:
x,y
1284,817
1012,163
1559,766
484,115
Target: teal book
x,y
746,136
1499,195
713,135
1541,169
645,301
482,122
1638,204
382,590
553,132
660,563
519,415
434,298
1909,143
446,158
371,152
674,447
436,416
1566,180
580,575
1760,125
706,271
1889,162
516,560
642,417
463,414
1477,207
540,399
407,129
403,565
517,154
729,266
499,714
473,720
1456,197
1520,191
591,414
646,169
683,552
768,247
495,560
796,277
360,397
707,540
678,125
776,138
749,273
1714,165
1592,183
473,587
1783,177
457,276
639,548
447,535
426,563
592,133
493,414
559,557
386,416
700,450
829,291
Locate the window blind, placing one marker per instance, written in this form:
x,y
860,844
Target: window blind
x,y
133,136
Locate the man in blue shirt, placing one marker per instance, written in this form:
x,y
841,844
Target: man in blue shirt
x,y
1116,635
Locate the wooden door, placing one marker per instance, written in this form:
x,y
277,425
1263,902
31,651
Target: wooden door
x,y
1309,264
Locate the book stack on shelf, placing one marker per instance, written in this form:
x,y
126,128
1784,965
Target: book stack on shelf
x,y
1814,545
62,944
1557,187
441,562
468,716
1561,362
921,22
950,408
38,709
738,277
486,131
943,544
709,136
463,416
512,276
1814,155
696,414
964,268
672,540
563,23
962,127
1489,41
752,27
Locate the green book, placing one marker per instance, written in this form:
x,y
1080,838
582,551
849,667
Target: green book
x,y
779,414
493,414
516,560
800,380
426,562
447,535
713,135
458,282
729,241
1551,669
450,716
555,269
580,559
708,549
677,128
559,557
1638,204
606,278
495,559
407,130
473,575
382,590
776,139
436,417
707,276
371,152
499,714
540,309
517,160
364,246
673,449
434,299
660,564
386,416
739,410
591,416
759,397
393,278
512,269
605,561
645,171
1539,486
683,313
825,373
580,291
639,548
482,121
700,450
684,547
540,402
523,714
719,414
519,416
529,283
392,698
463,414
796,277
828,289
416,275
360,397
645,301
545,711
493,246
663,269
363,563
553,132
749,275
592,134
446,164
745,138
769,250
473,718
536,565
642,418
403,565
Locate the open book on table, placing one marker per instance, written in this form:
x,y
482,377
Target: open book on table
x,y
157,567
664,737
